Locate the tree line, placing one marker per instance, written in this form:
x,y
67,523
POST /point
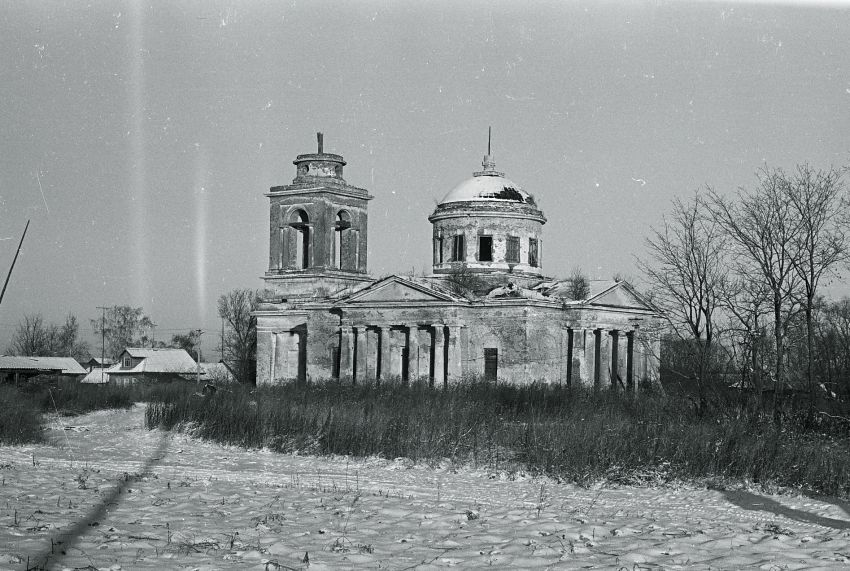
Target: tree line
x,y
740,276
123,326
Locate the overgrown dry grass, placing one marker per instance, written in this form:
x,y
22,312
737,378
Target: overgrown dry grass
x,y
20,417
572,434
22,406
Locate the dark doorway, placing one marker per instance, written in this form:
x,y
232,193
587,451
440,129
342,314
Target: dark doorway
x,y
491,364
405,364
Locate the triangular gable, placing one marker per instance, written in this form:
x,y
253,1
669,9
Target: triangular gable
x,y
397,289
621,294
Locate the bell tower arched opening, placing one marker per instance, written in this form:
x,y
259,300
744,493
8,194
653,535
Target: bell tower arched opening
x,y
344,240
299,222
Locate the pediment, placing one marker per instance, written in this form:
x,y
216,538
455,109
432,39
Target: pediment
x,y
395,289
623,296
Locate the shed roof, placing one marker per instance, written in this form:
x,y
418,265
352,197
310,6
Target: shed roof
x,y
97,376
98,362
64,365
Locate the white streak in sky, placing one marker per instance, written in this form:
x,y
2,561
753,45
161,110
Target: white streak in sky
x,y
38,178
138,207
201,215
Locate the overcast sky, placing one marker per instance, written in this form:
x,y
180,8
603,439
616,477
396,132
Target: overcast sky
x,y
140,137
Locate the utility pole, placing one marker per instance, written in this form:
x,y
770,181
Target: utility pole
x,y
9,275
198,352
102,341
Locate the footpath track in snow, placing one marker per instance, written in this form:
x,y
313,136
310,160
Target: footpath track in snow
x,y
109,494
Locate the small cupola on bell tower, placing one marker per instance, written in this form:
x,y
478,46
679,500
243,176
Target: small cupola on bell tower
x,y
319,165
318,228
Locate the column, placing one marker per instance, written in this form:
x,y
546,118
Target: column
x,y
267,378
346,353
630,361
371,354
438,374
360,353
454,365
597,358
615,359
384,370
412,352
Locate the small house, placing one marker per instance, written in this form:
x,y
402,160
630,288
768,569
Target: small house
x,y
143,364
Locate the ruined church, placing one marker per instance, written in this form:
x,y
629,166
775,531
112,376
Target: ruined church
x,y
487,309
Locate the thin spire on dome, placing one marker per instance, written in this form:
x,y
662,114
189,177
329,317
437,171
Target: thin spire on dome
x,y
488,163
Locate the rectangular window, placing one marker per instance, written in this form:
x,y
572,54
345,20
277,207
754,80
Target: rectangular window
x,y
532,252
485,248
458,248
512,253
128,362
491,364
439,254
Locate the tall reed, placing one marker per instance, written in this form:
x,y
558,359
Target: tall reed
x,y
573,434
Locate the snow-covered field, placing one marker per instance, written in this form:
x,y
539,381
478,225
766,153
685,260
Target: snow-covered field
x,y
110,494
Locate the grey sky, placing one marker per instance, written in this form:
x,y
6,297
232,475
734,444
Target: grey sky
x,y
140,137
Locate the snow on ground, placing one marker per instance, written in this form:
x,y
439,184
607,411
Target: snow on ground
x,y
109,494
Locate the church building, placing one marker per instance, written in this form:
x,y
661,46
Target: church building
x,y
487,310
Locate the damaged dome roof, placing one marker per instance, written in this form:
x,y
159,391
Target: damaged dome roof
x,y
488,184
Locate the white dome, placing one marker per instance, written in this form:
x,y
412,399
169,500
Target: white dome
x,y
487,187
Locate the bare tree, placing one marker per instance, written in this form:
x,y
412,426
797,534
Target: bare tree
x,y
748,303
763,229
579,285
685,272
123,326
236,307
463,281
819,200
31,337
34,337
189,342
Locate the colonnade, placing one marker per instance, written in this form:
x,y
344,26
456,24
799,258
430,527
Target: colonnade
x,y
407,351
619,358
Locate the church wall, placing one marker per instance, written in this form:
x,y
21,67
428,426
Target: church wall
x,y
532,343
296,344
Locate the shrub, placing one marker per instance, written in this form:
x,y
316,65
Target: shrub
x,y
20,417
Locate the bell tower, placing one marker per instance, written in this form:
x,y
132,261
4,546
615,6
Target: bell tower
x,y
317,229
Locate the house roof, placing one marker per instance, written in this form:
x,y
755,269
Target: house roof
x,y
64,365
97,376
157,361
97,361
215,370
